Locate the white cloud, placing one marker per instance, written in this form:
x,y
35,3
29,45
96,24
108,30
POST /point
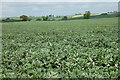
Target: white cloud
x,y
60,1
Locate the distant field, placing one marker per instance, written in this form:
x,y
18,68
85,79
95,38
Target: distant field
x,y
56,49
70,17
83,15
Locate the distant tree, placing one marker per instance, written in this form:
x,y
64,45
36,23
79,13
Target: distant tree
x,y
115,11
24,17
64,18
45,18
118,14
51,15
87,15
58,16
7,19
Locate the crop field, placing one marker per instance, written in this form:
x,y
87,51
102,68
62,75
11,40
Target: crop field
x,y
86,48
83,15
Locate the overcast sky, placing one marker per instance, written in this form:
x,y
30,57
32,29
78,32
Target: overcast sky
x,y
13,8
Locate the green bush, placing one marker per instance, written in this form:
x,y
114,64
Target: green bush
x,y
38,19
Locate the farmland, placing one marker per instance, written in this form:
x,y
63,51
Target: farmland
x,y
59,18
84,48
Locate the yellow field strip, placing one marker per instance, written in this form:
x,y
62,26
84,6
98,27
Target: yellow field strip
x,y
82,15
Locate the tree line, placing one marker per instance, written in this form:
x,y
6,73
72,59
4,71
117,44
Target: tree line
x,y
43,18
87,15
46,18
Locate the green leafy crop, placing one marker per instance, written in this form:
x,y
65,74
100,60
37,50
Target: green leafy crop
x,y
60,49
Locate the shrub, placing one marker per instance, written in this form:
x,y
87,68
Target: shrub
x,y
49,19
38,19
53,19
29,19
